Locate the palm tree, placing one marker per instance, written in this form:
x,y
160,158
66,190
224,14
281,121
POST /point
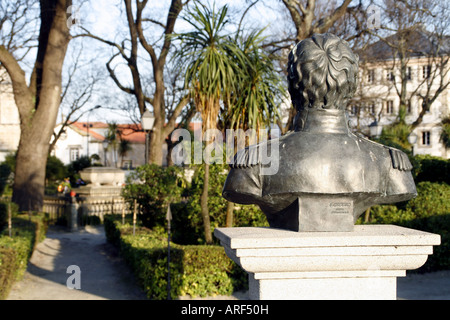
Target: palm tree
x,y
111,136
211,59
260,90
258,93
124,147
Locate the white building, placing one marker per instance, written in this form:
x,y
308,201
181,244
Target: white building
x,y
380,84
88,139
9,117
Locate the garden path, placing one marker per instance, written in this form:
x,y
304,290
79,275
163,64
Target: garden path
x,y
104,275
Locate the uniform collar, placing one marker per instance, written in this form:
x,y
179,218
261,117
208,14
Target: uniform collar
x,y
322,121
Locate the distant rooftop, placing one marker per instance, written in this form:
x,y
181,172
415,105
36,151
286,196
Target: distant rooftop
x,y
420,43
131,132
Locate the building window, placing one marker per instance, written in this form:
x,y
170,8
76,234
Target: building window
x,y
353,110
389,107
426,71
389,75
74,154
408,73
371,75
408,107
426,138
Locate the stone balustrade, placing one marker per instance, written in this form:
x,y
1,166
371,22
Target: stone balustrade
x,y
57,206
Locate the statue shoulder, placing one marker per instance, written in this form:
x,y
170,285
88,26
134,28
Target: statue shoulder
x,y
251,156
399,159
246,158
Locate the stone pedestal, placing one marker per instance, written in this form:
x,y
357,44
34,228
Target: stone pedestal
x,y
362,264
97,176
72,214
103,192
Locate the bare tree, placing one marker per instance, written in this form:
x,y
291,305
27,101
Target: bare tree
x,y
157,49
313,16
316,16
79,86
38,99
416,34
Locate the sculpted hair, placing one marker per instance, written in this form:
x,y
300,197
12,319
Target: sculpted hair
x,y
322,73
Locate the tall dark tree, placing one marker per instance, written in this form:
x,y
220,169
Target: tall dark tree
x,y
38,100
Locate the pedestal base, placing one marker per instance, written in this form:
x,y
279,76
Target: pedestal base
x,y
362,264
327,286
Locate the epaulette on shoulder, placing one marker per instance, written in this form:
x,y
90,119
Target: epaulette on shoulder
x,y
400,160
246,158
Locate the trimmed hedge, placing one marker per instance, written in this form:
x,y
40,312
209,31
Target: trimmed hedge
x,y
430,212
196,270
4,213
432,169
15,252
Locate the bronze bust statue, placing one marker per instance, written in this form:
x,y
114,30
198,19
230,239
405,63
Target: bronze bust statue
x,y
327,176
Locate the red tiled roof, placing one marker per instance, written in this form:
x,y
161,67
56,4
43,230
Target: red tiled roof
x,y
81,127
130,132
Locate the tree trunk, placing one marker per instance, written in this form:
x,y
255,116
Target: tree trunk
x,y
29,178
204,207
155,149
38,103
230,209
367,215
170,146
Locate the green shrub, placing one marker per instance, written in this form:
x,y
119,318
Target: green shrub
x,y
76,166
430,212
15,251
55,172
3,216
433,169
4,213
7,270
5,172
195,270
153,187
188,222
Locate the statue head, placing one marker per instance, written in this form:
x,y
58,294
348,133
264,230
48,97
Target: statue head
x,y
322,73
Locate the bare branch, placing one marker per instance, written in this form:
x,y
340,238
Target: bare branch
x,y
110,43
171,123
22,94
162,25
326,23
115,79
